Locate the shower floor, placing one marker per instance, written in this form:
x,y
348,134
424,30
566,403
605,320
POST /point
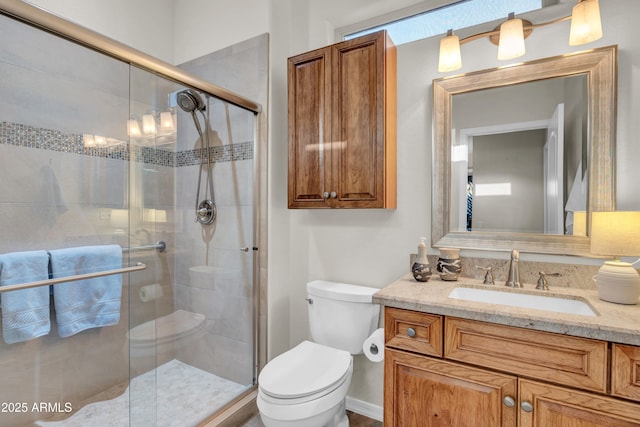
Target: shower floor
x,y
172,395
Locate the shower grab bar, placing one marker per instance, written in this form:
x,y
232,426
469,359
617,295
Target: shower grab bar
x,y
139,266
160,246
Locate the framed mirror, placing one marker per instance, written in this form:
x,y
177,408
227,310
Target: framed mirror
x,y
522,154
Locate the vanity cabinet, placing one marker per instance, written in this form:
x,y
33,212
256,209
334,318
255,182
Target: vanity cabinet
x,y
625,367
549,405
433,392
521,377
342,125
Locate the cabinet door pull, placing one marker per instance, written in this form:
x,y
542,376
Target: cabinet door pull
x,y
325,194
411,332
333,195
526,406
509,402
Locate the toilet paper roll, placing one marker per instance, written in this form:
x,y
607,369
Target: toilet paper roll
x,y
150,292
373,347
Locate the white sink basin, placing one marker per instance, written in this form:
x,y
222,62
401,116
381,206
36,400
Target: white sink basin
x,y
516,299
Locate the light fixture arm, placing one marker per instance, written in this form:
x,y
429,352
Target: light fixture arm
x,y
528,28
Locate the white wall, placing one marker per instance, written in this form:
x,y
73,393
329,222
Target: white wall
x,y
205,26
146,25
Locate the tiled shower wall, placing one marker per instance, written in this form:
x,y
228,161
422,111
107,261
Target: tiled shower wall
x,y
52,92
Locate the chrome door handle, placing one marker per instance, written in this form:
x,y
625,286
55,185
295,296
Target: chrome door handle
x,y
509,402
526,406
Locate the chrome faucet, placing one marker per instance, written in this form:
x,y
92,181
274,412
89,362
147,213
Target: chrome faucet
x,y
513,280
488,275
543,283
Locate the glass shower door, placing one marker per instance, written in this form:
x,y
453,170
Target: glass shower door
x,y
199,323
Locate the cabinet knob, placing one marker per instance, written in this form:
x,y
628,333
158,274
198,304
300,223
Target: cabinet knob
x,y
411,332
333,195
509,402
526,406
325,194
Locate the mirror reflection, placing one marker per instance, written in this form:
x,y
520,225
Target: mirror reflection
x,y
522,153
519,157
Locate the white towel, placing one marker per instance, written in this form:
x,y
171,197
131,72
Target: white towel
x,y
90,303
25,313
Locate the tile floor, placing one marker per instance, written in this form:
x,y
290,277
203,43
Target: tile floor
x,y
169,389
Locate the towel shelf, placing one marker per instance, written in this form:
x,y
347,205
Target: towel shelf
x,y
137,267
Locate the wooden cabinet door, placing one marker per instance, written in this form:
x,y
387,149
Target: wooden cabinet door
x,y
342,125
309,93
562,407
426,392
625,371
358,122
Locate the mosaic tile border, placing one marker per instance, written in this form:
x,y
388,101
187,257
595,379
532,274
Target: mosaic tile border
x,y
21,135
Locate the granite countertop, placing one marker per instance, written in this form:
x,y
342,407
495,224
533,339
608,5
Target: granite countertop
x,y
614,322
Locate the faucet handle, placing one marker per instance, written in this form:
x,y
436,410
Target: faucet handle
x,y
543,283
488,276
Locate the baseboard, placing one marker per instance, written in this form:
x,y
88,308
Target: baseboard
x,y
365,408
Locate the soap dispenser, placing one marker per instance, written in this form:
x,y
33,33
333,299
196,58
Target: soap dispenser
x,y
421,269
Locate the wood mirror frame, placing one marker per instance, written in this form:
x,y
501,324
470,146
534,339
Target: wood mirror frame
x,y
600,66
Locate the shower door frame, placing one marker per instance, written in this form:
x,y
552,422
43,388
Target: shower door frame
x,y
39,18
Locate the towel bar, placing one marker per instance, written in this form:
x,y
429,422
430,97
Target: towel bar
x,y
160,246
139,266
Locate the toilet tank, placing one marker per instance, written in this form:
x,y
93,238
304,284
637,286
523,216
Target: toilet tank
x,y
341,316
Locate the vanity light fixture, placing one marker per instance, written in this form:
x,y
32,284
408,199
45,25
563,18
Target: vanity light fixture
x,y
133,128
586,27
511,44
148,124
153,125
616,234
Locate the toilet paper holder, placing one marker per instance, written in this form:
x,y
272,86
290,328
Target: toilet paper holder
x,y
373,349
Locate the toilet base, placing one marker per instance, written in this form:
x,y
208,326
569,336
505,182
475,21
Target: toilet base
x,y
333,417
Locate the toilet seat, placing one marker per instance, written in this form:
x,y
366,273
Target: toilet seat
x,y
304,373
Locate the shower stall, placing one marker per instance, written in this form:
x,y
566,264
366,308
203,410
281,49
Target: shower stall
x,y
105,148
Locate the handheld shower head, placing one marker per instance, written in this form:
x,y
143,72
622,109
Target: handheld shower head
x,y
190,101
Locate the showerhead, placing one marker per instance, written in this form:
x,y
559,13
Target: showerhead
x,y
190,101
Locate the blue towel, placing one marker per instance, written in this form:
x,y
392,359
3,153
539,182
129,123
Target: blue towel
x,y
25,313
90,303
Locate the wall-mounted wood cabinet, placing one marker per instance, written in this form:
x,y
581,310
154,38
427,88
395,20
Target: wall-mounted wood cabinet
x,y
342,125
492,375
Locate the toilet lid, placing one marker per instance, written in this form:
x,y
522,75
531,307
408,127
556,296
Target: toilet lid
x,y
306,369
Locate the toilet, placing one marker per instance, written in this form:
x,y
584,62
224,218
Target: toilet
x,y
158,340
307,385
